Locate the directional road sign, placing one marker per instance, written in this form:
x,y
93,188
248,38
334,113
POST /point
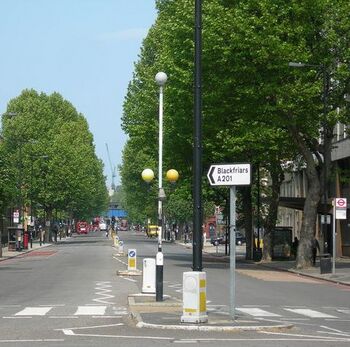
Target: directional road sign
x,y
229,174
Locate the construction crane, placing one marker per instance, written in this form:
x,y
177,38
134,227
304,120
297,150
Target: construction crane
x,y
112,168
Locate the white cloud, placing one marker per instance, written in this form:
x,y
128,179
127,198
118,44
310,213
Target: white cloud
x,y
124,35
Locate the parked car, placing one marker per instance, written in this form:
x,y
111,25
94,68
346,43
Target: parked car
x,y
82,227
240,240
102,226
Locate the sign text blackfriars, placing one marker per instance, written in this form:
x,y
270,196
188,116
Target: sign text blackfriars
x,y
229,174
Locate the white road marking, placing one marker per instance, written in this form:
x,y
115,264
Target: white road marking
x,y
38,340
16,317
103,291
54,305
128,279
309,313
34,311
120,261
257,312
90,310
64,317
319,338
346,311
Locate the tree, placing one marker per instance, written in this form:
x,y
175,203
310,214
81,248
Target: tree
x,y
46,135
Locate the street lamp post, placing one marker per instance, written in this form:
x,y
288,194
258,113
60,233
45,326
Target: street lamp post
x,y
172,176
327,137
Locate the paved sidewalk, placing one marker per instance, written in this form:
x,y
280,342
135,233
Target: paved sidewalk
x,y
6,254
342,265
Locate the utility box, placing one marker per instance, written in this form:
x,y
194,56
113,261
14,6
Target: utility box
x,y
194,297
325,263
149,276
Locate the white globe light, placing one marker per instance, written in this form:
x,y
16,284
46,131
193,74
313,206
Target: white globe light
x,y
147,175
161,78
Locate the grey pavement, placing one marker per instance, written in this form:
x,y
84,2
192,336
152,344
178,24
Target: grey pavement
x,y
147,313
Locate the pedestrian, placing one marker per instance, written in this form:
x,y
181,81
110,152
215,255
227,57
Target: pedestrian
x,y
295,245
315,246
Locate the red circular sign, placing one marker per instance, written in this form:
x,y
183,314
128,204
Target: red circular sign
x,y
340,202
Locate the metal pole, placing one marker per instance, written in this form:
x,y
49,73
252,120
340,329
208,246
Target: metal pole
x,y
159,257
197,152
334,230
325,159
258,203
232,250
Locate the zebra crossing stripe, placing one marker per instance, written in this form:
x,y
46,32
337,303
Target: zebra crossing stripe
x,y
309,313
34,311
257,312
90,311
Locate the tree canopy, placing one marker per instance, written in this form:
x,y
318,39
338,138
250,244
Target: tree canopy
x,y
50,147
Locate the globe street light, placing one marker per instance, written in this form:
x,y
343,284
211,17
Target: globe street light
x,y
172,176
160,79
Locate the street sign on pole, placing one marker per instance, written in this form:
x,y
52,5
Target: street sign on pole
x,y
340,208
229,174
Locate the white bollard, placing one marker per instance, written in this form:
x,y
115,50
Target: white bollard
x,y
121,247
194,297
149,276
116,241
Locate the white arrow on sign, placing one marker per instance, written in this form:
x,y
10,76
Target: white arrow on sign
x,y
229,174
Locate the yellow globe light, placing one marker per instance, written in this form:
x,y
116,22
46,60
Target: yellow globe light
x,y
147,175
172,175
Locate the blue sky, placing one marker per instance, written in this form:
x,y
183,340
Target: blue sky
x,y
83,49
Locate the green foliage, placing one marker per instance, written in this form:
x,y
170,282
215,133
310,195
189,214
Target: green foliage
x,y
255,107
52,150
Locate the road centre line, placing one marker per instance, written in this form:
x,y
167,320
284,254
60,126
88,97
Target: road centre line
x,y
38,340
64,317
320,338
92,327
329,328
332,333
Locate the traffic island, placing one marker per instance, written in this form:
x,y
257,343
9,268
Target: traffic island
x,y
147,313
129,273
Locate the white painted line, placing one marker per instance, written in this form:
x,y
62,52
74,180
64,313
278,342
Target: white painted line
x,y
16,317
34,311
91,327
38,340
319,338
64,317
90,310
58,305
128,279
344,311
332,329
309,313
103,317
257,312
68,332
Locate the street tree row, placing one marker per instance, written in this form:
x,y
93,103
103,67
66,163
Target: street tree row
x,y
256,107
48,158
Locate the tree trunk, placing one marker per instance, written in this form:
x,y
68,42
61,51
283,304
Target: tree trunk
x,y
247,211
276,174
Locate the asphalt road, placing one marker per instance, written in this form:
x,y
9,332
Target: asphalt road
x,y
69,294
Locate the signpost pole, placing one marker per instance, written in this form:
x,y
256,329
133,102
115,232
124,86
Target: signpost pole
x,y
232,250
334,226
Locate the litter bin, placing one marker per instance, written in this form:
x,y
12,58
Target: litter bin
x,y
325,263
25,240
257,254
